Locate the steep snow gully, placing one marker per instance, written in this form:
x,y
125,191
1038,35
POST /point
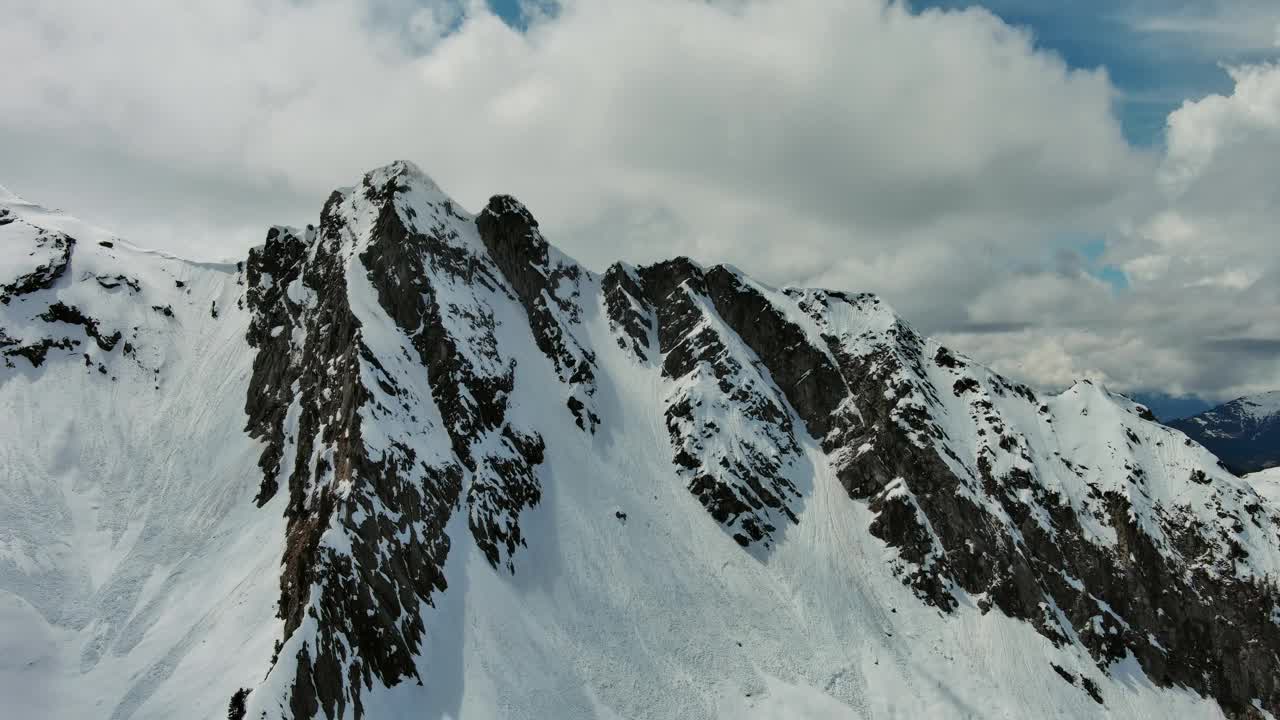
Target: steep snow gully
x,y
412,462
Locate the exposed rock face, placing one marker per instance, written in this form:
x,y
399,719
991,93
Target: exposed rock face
x,y
271,268
549,287
420,360
36,322
1244,433
307,394
423,378
630,313
732,433
960,466
58,312
45,262
990,516
989,522
804,371
34,352
453,332
111,282
981,514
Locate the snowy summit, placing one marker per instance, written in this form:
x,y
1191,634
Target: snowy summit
x,y
1245,432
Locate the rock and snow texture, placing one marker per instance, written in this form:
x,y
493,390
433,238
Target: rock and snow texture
x,y
415,462
1244,433
134,578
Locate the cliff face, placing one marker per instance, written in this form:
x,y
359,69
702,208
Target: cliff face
x,y
490,482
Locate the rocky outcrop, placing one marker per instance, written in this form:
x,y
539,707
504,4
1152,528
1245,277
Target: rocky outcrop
x,y
270,269
631,316
314,384
111,282
732,434
804,371
40,259
46,261
422,271
382,317
63,313
33,352
550,289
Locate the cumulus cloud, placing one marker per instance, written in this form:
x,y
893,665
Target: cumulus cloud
x,y
1199,309
938,158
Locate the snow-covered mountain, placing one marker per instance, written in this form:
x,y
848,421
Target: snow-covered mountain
x,y
1245,432
1267,483
412,462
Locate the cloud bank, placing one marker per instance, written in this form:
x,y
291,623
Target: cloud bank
x,y
938,158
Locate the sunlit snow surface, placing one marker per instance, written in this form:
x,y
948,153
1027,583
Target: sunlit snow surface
x,y
138,580
1267,483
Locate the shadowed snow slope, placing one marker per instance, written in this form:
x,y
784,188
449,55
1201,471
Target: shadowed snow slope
x,y
412,462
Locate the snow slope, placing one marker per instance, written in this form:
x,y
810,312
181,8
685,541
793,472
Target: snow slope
x,y
1267,483
415,462
133,573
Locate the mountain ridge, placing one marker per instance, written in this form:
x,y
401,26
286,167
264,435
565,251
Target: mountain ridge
x,y
420,387
1244,433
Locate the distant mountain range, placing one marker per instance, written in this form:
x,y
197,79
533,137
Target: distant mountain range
x,y
1244,433
1168,408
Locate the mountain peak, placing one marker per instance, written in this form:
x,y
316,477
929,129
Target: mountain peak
x,y
411,190
501,205
1263,405
1244,433
400,169
410,437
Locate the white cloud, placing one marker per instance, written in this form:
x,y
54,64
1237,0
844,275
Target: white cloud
x,y
1200,313
935,158
1209,27
848,112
